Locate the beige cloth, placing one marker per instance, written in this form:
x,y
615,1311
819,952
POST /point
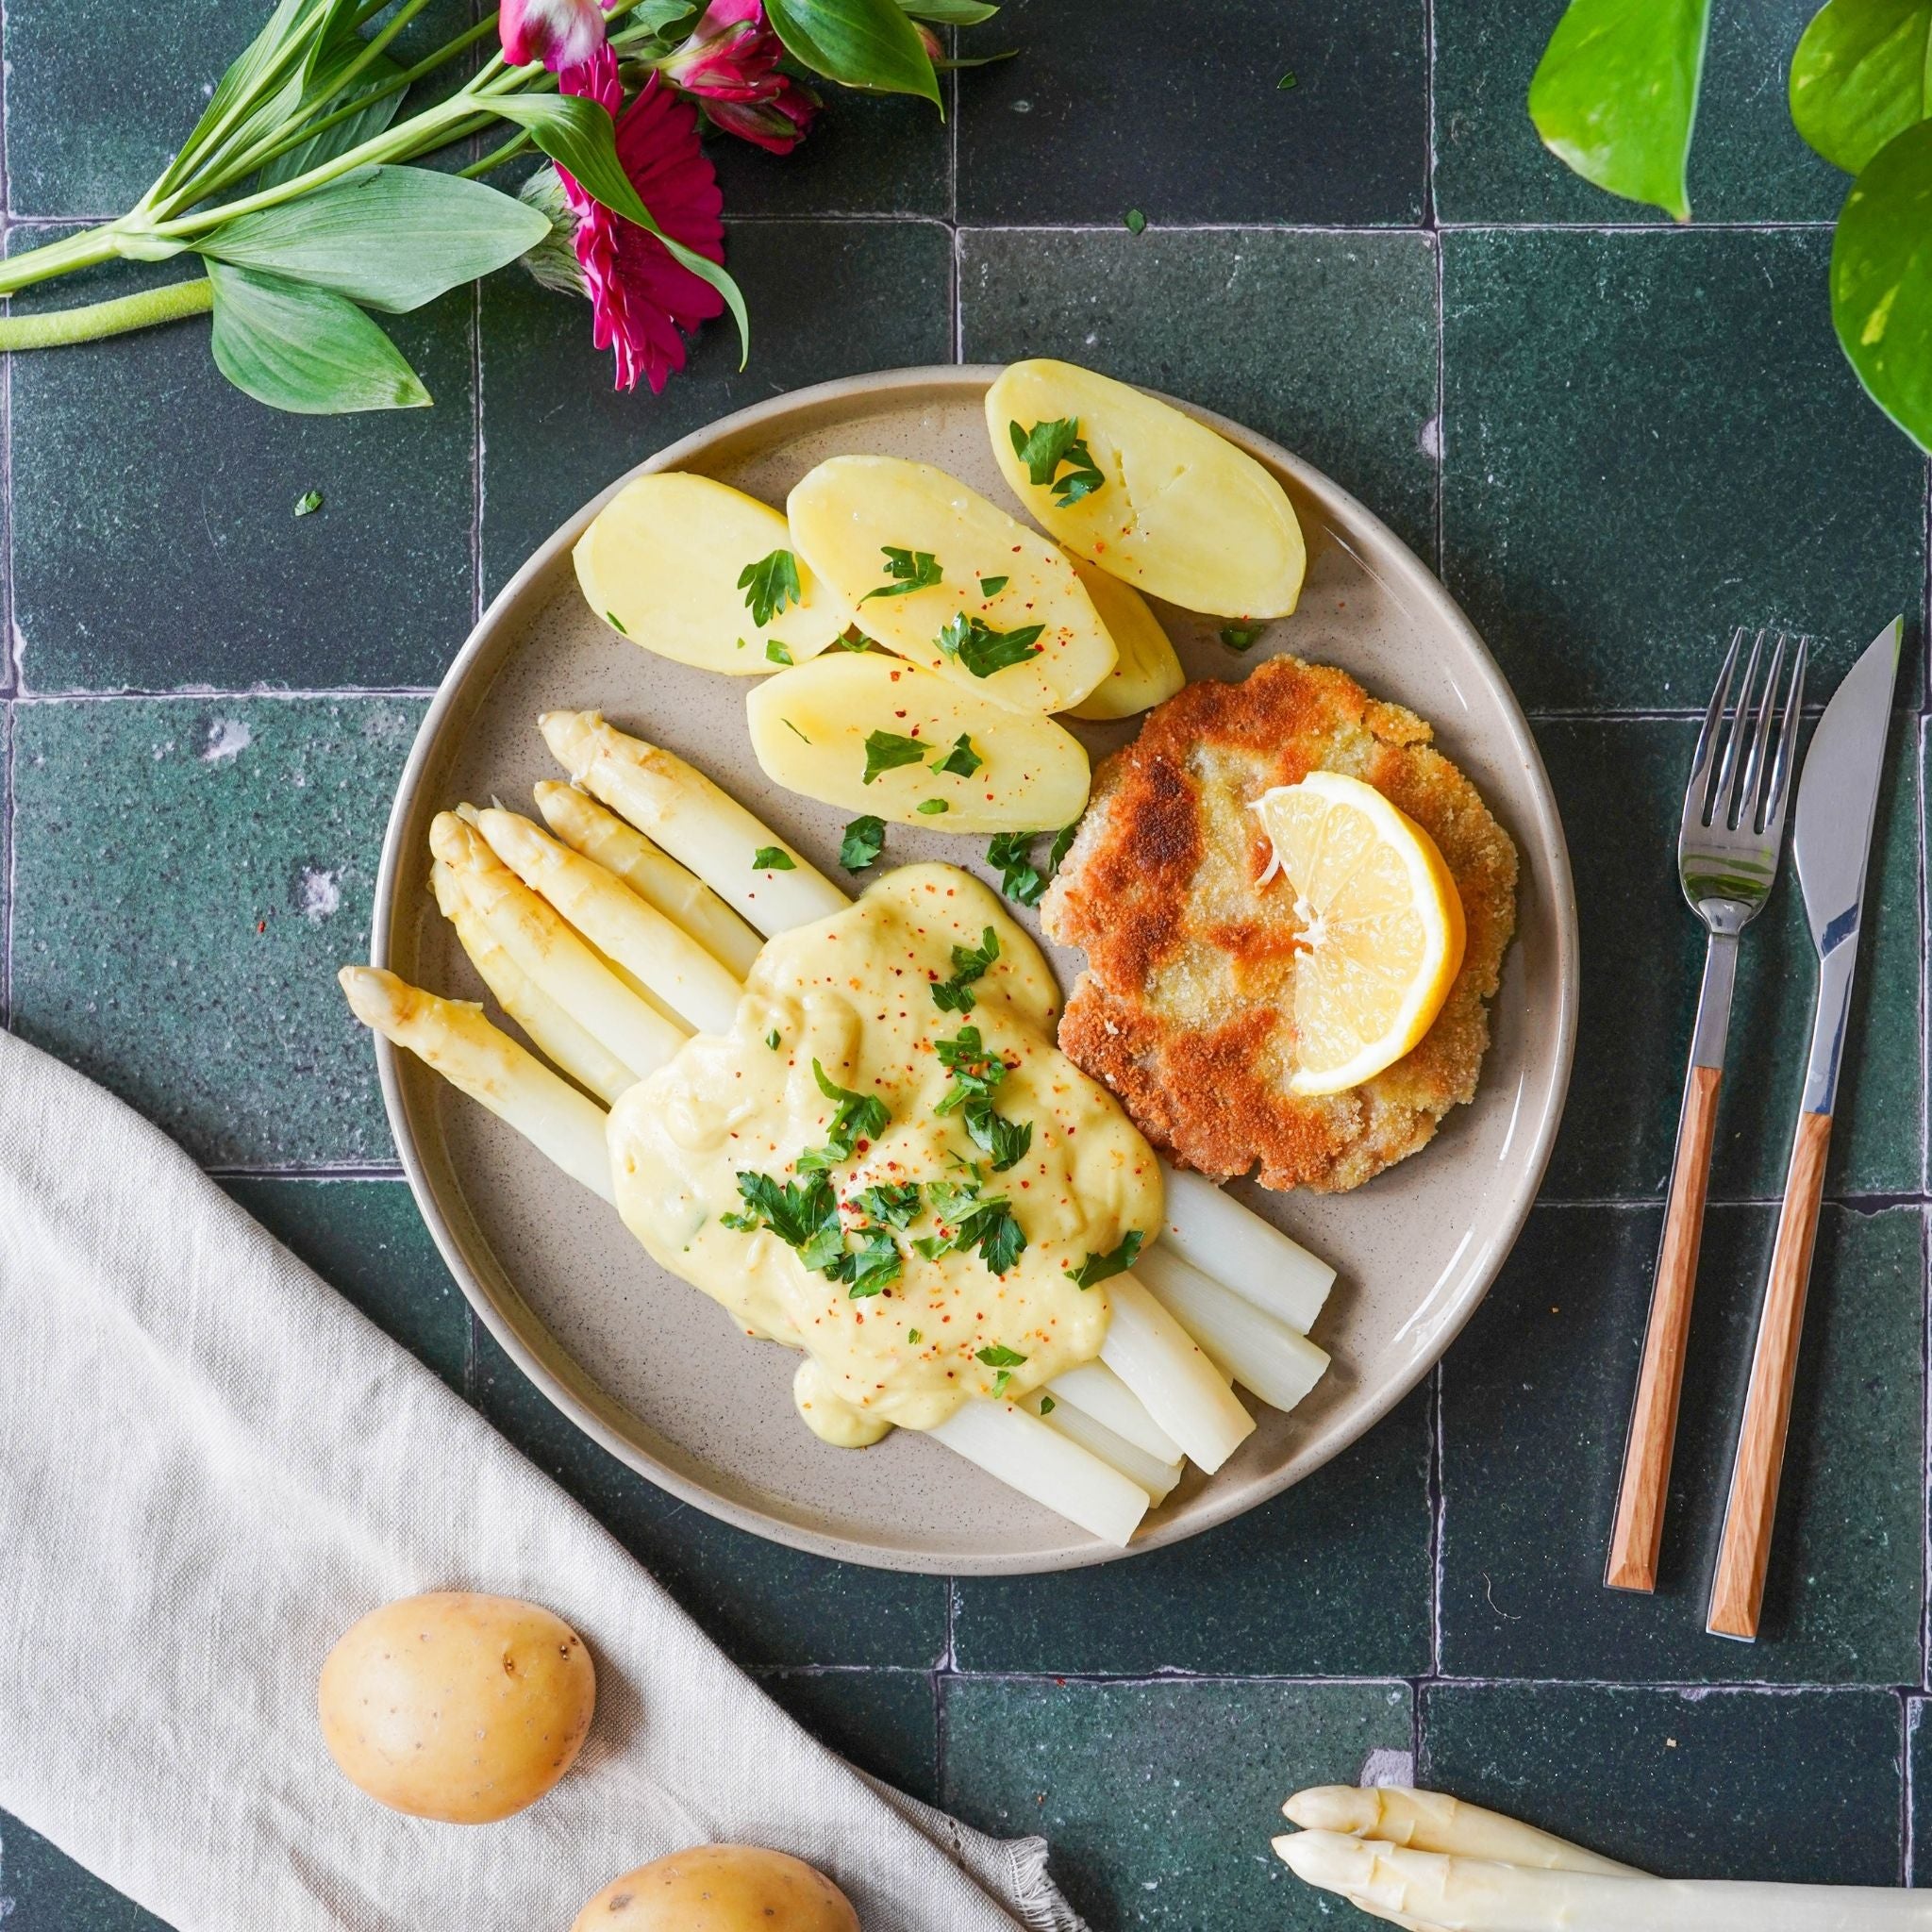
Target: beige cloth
x,y
210,1466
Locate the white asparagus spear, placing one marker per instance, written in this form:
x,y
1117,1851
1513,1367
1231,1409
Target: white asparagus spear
x,y
575,1048
654,876
550,952
1165,1367
1157,1477
1435,1822
637,937
1032,1457
1209,1229
700,826
1094,1389
1267,1357
454,1038
1486,1895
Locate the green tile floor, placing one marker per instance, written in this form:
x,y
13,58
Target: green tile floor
x,y
1613,437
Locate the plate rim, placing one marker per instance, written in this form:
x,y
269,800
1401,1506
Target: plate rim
x,y
1393,556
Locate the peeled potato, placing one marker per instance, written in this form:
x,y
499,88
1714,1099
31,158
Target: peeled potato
x,y
456,1707
848,512
1148,671
661,565
720,1889
1180,513
809,729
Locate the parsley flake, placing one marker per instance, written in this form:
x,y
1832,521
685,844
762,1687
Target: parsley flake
x,y
984,650
885,751
870,1268
962,760
975,1069
310,501
1047,1404
1046,446
771,1040
910,570
956,995
864,839
932,807
1134,221
997,1357
1099,1267
793,1210
892,1204
994,1134
859,1117
1287,80
770,858
768,585
777,651
1240,636
1019,879
991,587
1062,842
616,624
795,730
912,1335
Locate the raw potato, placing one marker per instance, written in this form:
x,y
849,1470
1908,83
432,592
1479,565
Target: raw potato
x,y
848,511
1148,671
661,562
720,1889
808,727
1182,514
456,1707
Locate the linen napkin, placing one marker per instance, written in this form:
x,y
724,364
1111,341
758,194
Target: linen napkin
x,y
210,1465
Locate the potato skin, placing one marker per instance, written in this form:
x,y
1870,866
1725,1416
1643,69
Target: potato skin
x,y
457,1705
720,1889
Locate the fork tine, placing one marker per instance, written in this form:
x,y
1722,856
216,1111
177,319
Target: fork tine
x,y
1787,742
1719,810
1700,759
1755,761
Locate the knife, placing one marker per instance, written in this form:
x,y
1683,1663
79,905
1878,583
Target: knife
x,y
1838,799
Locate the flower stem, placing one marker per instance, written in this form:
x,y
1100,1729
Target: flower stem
x,y
497,156
57,328
87,249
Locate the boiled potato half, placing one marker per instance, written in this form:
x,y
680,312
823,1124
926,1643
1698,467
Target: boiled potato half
x,y
1151,495
945,578
940,754
456,1707
1148,671
720,1889
661,565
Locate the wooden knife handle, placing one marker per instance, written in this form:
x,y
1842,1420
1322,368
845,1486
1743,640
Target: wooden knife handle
x,y
1639,1523
1736,1592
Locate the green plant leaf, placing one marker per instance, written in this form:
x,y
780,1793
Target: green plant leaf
x,y
297,347
1861,76
387,238
345,134
579,135
1615,96
1881,281
949,13
862,43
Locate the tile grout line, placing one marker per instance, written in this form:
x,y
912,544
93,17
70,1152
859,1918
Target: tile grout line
x,y
1913,1709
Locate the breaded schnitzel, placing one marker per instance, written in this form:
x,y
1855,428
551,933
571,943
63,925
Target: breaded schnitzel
x,y
1186,1006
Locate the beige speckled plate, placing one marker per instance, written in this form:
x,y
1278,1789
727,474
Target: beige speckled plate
x,y
656,1371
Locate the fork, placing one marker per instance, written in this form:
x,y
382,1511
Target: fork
x,y
1729,843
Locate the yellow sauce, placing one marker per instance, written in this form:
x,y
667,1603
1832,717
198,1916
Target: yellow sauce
x,y
854,992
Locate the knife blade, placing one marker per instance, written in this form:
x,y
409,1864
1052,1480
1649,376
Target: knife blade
x,y
1831,841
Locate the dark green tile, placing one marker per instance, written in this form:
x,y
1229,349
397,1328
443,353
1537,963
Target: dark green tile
x,y
366,1239
167,553
1183,115
1330,1579
763,1604
884,1722
189,874
1919,1771
1802,1787
555,432
1747,164
1651,438
43,1890
1620,786
1325,342
1159,1799
1535,1400
865,155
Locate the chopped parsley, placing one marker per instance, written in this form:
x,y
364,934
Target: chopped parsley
x,y
768,585
885,751
1047,1404
864,839
1099,1267
310,501
770,858
616,624
962,760
992,1228
1004,1360
793,1210
1240,636
771,1040
859,1117
1062,842
795,730
777,651
892,1204
1287,80
1019,878
994,1134
912,1335
991,587
1134,221
932,807
955,995
909,571
1046,446
975,1071
871,1268
984,650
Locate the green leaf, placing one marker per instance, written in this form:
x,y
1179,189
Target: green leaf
x,y
352,132
956,995
308,503
1615,96
773,858
1861,76
1881,281
768,585
862,43
962,760
579,135
1011,853
949,13
1047,445
984,650
858,1117
1240,636
1117,1261
885,751
932,807
911,570
997,1356
994,1133
864,839
309,350
390,238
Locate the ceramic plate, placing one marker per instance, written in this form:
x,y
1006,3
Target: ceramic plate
x,y
654,1370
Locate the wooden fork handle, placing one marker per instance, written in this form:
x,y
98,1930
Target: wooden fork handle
x,y
1737,1593
1639,1528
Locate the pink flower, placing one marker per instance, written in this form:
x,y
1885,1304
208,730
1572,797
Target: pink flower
x,y
730,62
641,295
559,33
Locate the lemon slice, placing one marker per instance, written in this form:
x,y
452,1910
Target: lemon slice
x,y
1382,926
